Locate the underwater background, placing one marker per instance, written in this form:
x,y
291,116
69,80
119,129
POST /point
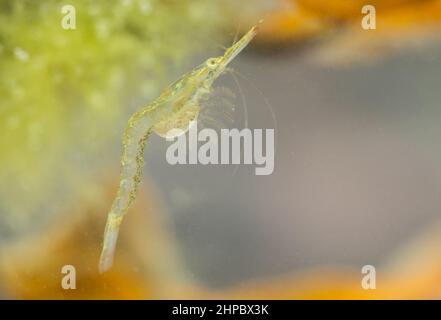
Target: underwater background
x,y
356,180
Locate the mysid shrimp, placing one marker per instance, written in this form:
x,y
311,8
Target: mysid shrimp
x,y
175,108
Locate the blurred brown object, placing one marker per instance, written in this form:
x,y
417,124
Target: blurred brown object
x,y
148,267
145,264
288,26
337,26
414,272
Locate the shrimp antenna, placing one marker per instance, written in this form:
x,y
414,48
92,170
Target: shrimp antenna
x,y
217,44
236,35
265,99
242,96
244,107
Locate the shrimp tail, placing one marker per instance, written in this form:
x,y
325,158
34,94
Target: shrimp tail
x,y
132,161
109,244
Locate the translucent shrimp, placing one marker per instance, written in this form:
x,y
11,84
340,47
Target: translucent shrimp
x,y
175,108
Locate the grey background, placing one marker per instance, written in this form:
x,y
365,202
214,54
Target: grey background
x,y
356,174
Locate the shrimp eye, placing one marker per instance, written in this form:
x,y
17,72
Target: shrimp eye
x,y
211,63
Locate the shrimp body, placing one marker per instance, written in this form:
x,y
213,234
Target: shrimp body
x,y
175,108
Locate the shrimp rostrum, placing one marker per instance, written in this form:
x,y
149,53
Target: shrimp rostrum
x,y
175,108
